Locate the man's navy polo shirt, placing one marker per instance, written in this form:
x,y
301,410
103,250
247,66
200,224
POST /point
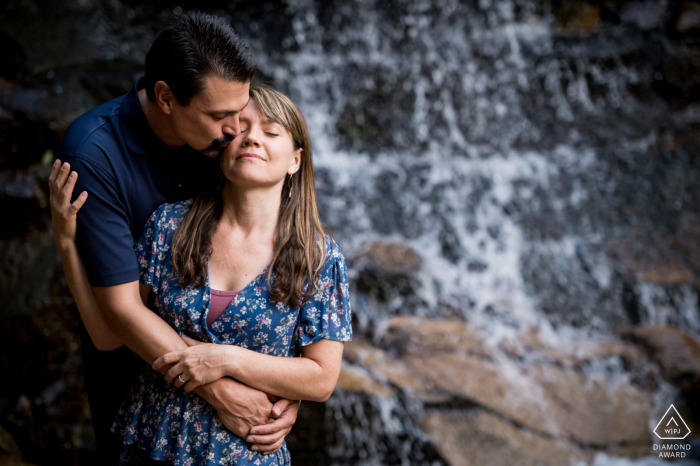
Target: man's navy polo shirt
x,y
127,173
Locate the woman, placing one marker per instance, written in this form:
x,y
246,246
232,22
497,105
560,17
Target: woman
x,y
248,276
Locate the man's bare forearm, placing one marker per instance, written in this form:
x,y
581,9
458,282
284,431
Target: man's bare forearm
x,y
146,333
143,331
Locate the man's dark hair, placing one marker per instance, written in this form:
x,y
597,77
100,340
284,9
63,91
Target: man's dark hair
x,y
194,46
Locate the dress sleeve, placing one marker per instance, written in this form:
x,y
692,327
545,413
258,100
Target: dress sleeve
x,y
327,314
151,250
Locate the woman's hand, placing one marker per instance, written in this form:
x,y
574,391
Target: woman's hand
x,y
200,364
63,213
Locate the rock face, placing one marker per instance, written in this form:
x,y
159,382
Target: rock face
x,y
542,406
677,354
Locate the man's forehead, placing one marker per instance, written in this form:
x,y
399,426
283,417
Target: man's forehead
x,y
213,105
222,96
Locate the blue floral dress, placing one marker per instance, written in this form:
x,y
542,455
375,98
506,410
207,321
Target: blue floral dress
x,y
181,427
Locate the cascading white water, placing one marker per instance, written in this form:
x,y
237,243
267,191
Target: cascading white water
x,y
490,143
478,157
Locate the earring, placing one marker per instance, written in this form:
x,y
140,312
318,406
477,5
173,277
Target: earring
x,y
290,186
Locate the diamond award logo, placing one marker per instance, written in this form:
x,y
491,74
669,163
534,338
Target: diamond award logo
x,y
671,426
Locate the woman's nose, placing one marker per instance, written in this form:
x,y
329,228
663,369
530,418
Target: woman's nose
x,y
251,140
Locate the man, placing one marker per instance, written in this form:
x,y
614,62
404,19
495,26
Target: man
x,y
133,154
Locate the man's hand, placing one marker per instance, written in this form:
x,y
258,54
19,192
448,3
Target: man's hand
x,y
268,438
239,406
249,414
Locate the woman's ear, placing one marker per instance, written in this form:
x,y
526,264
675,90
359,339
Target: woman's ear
x,y
296,162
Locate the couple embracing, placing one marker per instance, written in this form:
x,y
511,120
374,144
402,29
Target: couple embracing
x,y
212,300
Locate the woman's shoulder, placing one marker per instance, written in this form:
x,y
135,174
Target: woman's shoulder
x,y
170,214
333,253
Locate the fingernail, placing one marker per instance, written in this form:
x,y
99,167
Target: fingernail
x,y
253,431
253,447
56,162
276,411
250,439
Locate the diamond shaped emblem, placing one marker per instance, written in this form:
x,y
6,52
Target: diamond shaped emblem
x,y
671,426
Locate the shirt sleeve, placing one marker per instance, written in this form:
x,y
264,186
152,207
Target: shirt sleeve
x,y
152,254
327,314
104,238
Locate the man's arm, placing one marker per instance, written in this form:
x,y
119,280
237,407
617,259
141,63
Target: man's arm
x,y
149,336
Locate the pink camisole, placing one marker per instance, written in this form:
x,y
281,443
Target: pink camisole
x,y
219,302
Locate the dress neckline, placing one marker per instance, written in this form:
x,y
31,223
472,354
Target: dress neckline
x,y
223,293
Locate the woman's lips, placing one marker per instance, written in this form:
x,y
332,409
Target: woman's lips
x,y
249,155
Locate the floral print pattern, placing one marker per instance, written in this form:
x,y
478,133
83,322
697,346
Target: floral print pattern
x,y
181,427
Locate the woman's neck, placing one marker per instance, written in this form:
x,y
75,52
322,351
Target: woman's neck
x,y
251,211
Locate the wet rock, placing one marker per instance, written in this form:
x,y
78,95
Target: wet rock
x,y
689,19
357,379
675,351
428,336
581,353
363,429
8,446
363,125
391,257
578,17
680,73
24,143
645,15
477,437
386,276
561,403
552,399
671,260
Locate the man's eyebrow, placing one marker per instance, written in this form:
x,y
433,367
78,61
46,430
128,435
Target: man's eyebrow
x,y
228,112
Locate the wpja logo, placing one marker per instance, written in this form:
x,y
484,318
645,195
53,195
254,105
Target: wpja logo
x,y
672,427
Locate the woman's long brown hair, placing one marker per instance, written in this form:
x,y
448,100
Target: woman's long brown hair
x,y
300,246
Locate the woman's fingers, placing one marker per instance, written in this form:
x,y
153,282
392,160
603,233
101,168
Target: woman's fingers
x,y
164,360
173,372
178,381
75,206
67,191
191,385
266,439
278,425
268,448
54,174
61,178
280,406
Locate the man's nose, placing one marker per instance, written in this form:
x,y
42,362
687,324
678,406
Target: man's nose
x,y
232,127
